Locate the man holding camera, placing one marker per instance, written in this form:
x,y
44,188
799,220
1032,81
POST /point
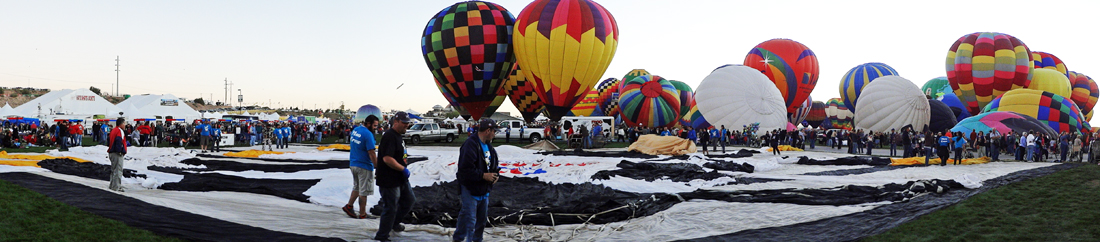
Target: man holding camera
x,y
478,170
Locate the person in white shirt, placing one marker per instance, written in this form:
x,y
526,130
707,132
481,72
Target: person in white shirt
x,y
1030,145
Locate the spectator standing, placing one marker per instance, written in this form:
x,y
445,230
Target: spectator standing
x,y
393,178
477,172
115,152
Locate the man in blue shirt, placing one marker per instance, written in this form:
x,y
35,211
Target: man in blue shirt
x,y
943,150
279,135
960,144
478,170
363,160
715,138
216,137
204,135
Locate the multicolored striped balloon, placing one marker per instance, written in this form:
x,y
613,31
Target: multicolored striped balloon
x,y
851,85
468,48
838,113
693,118
1085,93
587,105
817,114
790,65
1060,113
564,47
802,112
982,66
1048,61
1003,122
650,101
687,96
631,75
1051,81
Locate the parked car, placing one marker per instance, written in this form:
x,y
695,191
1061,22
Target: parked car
x,y
533,134
429,132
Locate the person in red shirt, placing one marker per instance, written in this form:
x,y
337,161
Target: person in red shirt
x,y
76,134
116,149
145,130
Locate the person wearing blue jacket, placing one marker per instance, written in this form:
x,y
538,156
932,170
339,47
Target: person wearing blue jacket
x,y
216,138
943,150
278,131
478,170
286,136
960,144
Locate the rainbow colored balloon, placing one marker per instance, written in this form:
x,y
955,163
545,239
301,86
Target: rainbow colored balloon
x,y
817,114
1003,122
564,47
1060,113
790,65
838,113
631,75
687,96
468,48
1048,61
1085,93
802,112
694,119
851,85
650,101
982,66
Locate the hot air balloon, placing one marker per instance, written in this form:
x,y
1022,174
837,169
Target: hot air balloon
x,y
817,114
587,105
650,101
851,85
1085,93
800,114
1048,61
1003,122
524,95
564,47
493,106
941,117
687,96
1051,81
934,88
1060,113
838,113
694,119
736,96
631,75
467,46
609,92
891,102
790,65
980,68
453,103
367,110
955,104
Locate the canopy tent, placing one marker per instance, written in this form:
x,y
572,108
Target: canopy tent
x,y
7,110
161,106
81,103
410,111
131,113
214,115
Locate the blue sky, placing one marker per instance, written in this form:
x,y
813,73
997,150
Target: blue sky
x,y
322,53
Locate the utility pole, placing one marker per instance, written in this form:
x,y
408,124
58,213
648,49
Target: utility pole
x,y
116,75
226,99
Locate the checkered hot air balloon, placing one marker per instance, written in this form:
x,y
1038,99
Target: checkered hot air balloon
x,y
523,94
564,47
468,48
1085,93
606,88
980,69
650,101
851,85
1058,112
790,65
1048,61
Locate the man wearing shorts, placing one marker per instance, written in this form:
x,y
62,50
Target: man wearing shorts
x,y
363,159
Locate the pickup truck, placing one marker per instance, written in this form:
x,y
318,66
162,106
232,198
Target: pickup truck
x,y
429,131
534,134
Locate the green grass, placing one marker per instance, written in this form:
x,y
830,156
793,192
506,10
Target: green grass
x,y
29,216
1057,207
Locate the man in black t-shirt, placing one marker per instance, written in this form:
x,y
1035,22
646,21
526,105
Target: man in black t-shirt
x,y
393,178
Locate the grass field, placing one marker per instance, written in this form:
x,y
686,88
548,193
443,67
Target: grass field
x,y
1058,207
29,216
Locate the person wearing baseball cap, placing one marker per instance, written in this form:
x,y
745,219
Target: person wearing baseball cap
x,y
478,170
393,178
363,160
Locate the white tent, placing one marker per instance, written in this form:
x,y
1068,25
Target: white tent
x,y
130,112
78,103
212,115
162,106
410,111
7,110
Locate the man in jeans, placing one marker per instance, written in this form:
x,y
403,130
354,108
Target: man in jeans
x,y
393,178
477,172
115,151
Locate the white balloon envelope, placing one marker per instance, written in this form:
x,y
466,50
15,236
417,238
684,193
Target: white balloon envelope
x,y
736,95
891,102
